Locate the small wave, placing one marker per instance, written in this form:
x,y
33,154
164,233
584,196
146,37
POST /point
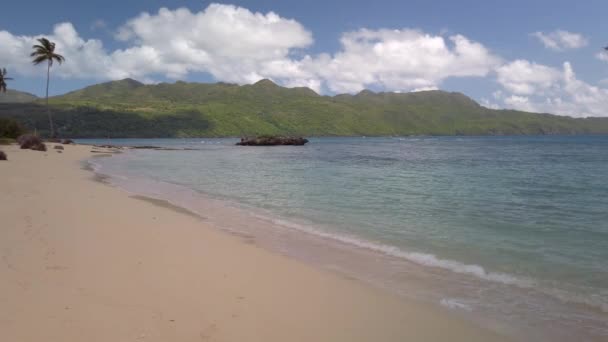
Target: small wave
x,y
451,303
95,167
99,169
423,259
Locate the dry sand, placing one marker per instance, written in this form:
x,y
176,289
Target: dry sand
x,y
84,261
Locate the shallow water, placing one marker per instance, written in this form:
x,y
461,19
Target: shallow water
x,y
510,231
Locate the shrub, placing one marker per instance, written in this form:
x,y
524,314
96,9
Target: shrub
x,y
2,155
10,128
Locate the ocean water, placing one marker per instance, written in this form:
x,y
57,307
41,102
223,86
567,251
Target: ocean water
x,y
511,232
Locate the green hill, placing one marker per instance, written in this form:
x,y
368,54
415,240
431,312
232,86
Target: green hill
x,y
128,108
14,96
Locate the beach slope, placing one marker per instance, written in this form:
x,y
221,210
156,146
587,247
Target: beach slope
x,y
83,261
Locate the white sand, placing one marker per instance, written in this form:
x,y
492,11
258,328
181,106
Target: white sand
x,y
83,261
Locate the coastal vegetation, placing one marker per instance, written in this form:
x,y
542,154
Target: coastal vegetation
x,y
128,108
10,128
3,80
45,52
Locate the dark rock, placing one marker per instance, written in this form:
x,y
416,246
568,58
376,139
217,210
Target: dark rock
x,y
67,141
107,152
147,147
28,140
2,155
272,141
108,146
53,140
58,147
39,147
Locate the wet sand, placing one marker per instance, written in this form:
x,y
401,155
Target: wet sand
x,y
84,261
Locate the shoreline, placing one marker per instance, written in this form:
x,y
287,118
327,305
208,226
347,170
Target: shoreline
x,y
86,261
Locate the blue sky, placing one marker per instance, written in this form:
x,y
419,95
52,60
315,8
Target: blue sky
x,y
531,55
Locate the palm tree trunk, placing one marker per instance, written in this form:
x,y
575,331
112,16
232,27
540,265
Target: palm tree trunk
x,y
48,109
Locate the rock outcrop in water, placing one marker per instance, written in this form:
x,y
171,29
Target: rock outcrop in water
x,y
272,141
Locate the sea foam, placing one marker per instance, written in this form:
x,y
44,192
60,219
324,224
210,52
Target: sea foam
x,y
424,259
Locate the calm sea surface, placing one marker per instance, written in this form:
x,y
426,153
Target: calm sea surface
x,y
511,231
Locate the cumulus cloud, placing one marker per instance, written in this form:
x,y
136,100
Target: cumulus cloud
x,y
402,60
231,43
87,58
560,40
234,44
538,88
525,78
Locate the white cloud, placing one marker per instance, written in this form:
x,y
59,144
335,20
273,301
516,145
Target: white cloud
x,y
421,89
231,43
87,58
560,40
602,56
401,60
538,88
234,44
261,46
525,78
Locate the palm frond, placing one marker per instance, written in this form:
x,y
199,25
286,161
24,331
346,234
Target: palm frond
x,y
45,51
47,44
39,59
59,58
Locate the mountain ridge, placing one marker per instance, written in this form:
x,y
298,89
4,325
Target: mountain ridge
x,y
129,108
16,96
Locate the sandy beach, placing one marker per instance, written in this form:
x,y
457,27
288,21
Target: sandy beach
x,y
84,261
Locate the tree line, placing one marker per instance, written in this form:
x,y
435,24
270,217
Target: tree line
x,y
43,52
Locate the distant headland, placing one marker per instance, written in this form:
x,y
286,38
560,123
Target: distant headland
x,y
128,108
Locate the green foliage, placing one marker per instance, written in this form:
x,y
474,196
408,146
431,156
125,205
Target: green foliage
x,y
3,79
129,108
10,128
44,51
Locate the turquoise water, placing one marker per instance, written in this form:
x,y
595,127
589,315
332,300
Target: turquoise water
x,y
526,217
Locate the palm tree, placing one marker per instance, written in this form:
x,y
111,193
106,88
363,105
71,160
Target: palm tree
x,y
45,52
3,80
